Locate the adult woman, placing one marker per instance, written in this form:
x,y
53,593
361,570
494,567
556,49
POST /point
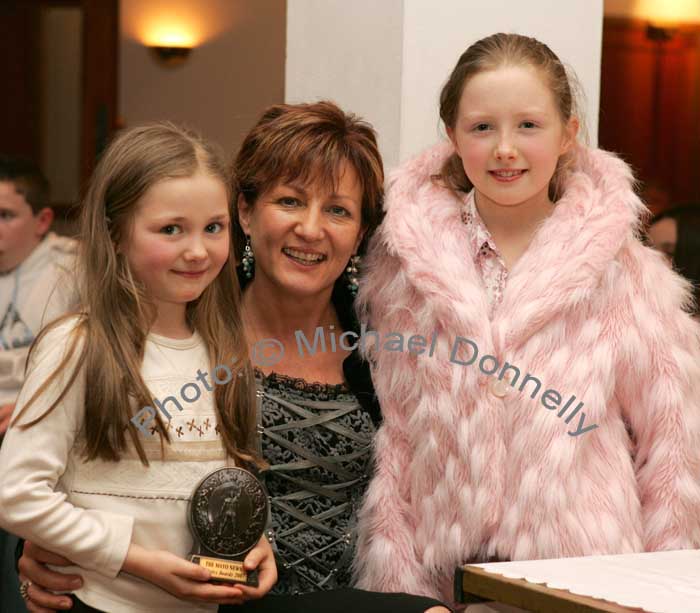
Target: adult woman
x,y
309,192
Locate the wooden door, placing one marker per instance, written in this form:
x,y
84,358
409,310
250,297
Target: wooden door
x,y
21,68
650,106
19,78
100,78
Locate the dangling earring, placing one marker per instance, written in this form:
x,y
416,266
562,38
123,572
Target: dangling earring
x,y
351,274
248,259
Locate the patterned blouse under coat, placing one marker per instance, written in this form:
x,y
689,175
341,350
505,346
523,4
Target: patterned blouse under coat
x,y
484,252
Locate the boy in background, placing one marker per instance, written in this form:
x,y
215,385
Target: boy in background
x,y
35,288
32,260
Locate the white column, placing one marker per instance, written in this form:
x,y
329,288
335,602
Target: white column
x,y
349,51
387,60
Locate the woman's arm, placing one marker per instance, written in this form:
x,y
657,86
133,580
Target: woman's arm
x,y
181,578
659,389
32,567
169,572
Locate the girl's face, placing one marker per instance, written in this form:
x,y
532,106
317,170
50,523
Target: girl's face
x,y
510,135
179,238
303,236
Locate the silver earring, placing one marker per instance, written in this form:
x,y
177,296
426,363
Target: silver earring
x,y
351,274
248,258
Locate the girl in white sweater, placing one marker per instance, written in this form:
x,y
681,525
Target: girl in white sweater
x,y
89,469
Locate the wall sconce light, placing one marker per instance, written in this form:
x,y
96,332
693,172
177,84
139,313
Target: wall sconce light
x,y
664,18
170,56
664,22
660,34
170,42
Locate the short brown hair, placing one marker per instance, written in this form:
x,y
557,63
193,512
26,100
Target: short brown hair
x,y
27,179
309,143
506,50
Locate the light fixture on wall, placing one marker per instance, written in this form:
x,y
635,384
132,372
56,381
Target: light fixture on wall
x,y
660,34
171,43
170,56
663,18
664,21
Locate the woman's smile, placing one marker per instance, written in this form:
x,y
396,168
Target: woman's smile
x,y
304,257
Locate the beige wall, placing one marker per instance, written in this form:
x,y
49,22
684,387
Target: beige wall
x,y
620,8
234,72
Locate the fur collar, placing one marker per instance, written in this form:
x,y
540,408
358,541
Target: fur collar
x,y
564,263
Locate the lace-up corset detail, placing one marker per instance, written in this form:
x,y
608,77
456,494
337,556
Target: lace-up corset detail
x,y
317,440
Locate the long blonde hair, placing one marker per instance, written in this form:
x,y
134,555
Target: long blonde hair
x,y
115,313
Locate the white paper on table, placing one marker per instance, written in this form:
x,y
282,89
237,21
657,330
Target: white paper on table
x,y
658,582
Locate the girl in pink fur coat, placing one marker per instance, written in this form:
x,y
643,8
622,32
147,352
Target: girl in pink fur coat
x,y
548,403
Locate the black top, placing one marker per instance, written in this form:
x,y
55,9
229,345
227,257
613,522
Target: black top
x,y
317,439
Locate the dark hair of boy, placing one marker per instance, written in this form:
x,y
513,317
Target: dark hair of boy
x,y
28,180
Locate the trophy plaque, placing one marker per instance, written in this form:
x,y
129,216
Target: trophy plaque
x,y
227,514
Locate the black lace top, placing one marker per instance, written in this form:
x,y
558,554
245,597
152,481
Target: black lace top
x,y
317,439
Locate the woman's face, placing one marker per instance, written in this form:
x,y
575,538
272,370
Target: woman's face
x,y
303,236
663,236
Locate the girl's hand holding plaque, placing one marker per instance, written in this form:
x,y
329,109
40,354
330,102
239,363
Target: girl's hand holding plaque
x,y
181,578
227,514
262,558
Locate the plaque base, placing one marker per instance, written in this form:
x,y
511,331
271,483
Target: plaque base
x,y
226,571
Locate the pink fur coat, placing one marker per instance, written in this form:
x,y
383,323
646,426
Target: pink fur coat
x,y
464,472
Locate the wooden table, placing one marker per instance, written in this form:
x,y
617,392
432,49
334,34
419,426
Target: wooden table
x,y
473,584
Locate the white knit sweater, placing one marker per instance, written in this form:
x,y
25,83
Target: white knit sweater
x,y
90,512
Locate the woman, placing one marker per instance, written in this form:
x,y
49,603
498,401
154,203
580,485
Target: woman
x,y
309,194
